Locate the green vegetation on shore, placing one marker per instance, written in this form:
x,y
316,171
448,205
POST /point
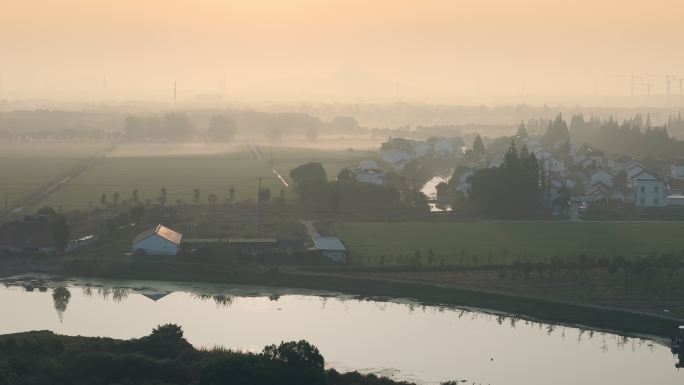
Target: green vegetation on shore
x,y
505,242
162,358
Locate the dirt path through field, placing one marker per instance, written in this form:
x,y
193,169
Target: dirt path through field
x,y
256,152
50,188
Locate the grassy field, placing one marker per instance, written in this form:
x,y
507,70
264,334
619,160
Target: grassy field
x,y
180,168
24,167
504,242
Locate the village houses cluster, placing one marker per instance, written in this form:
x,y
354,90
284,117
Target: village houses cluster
x,y
587,175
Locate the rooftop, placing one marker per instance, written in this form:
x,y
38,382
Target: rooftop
x,y
329,243
162,231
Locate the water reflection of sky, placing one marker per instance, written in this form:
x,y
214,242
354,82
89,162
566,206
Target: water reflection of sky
x,y
405,340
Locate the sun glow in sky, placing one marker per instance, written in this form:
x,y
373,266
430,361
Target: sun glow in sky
x,y
307,47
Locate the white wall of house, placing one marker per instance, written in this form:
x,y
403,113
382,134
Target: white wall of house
x,y
156,245
650,192
677,171
335,255
675,200
631,179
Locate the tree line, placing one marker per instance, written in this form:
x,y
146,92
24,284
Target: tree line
x,y
511,189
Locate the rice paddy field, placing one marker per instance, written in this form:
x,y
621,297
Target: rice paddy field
x,y
504,242
213,168
25,167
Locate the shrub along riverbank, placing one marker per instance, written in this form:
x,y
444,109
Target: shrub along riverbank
x,y
624,322
162,358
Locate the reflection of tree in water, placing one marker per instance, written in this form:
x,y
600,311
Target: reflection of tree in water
x,y
60,298
118,294
219,300
87,291
222,300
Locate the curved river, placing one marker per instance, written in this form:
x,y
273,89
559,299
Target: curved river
x,y
400,339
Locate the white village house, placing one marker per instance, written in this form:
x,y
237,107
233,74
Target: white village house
x,y
369,172
331,247
549,162
443,147
650,190
677,170
158,240
396,158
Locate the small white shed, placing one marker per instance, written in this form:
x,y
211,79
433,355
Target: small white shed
x,y
331,247
158,240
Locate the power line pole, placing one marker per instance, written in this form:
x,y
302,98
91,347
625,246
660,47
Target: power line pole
x,y
6,206
259,206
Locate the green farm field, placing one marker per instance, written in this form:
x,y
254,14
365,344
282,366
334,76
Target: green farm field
x,y
213,168
504,242
25,167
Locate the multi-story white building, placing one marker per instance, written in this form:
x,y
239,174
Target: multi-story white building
x,y
650,191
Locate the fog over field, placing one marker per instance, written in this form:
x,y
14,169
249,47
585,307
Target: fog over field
x,y
342,192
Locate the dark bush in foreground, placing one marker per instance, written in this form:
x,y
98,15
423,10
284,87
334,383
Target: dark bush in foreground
x,y
162,358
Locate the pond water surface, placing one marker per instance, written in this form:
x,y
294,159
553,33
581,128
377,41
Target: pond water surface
x,y
400,339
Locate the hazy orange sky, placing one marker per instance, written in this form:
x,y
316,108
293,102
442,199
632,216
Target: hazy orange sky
x,y
301,49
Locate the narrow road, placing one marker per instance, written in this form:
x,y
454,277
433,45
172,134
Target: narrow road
x,y
256,152
43,192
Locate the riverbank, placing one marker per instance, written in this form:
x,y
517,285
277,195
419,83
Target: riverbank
x,y
422,287
621,321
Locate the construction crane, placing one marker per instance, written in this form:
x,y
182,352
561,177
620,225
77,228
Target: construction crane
x,y
669,79
631,78
648,86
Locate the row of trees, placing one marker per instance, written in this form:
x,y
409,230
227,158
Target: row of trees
x,y
634,137
314,190
223,128
163,197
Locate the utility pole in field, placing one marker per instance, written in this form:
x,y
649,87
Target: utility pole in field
x,y
259,206
6,206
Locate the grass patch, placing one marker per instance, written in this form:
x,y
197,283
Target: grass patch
x,y
24,167
504,242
